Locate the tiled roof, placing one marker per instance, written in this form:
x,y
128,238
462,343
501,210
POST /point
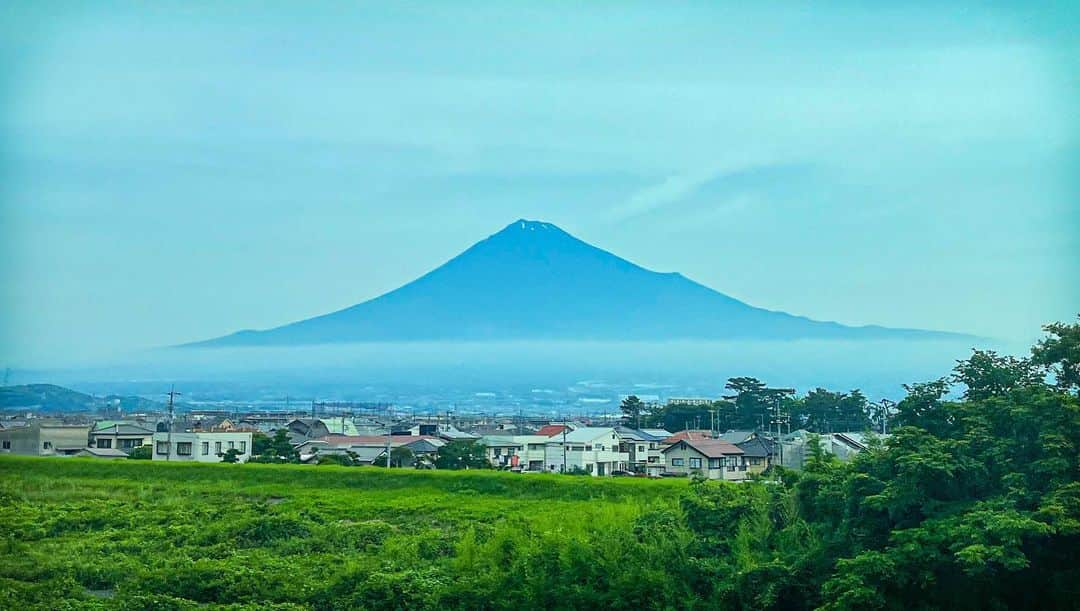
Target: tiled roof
x,y
737,437
711,448
681,435
756,447
550,430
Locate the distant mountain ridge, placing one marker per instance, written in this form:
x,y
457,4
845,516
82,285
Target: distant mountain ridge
x,y
534,281
53,398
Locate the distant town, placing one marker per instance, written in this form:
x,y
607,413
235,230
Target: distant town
x,y
372,434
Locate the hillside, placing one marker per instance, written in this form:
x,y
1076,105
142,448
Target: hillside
x,y
46,397
533,280
53,398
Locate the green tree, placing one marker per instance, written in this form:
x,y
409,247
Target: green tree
x,y
402,457
277,449
1061,354
260,443
231,456
632,408
461,454
987,374
754,403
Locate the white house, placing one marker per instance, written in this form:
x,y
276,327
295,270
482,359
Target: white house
x,y
201,446
525,452
644,449
594,449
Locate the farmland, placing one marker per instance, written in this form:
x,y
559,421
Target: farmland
x,y
130,534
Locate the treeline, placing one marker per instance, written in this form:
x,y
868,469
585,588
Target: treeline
x,y
752,405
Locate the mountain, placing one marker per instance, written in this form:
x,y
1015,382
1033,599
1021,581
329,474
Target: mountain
x,y
53,398
45,397
533,280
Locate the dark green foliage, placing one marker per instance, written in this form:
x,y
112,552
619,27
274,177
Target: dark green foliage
x,y
231,456
141,453
632,409
461,455
276,449
1060,352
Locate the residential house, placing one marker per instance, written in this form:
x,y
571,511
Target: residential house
x,y
737,437
123,436
200,446
551,430
109,453
44,438
795,446
516,452
757,453
593,449
422,446
315,428
713,458
644,449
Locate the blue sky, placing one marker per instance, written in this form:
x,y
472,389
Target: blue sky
x,y
176,171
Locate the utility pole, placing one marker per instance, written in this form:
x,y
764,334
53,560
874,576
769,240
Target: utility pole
x,y
168,431
884,406
564,469
389,431
779,418
712,423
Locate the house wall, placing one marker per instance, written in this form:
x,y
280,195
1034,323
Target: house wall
x,y
212,451
42,440
715,468
755,469
115,440
594,461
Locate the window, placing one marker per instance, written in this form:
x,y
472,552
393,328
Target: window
x,y
104,443
7,444
676,462
695,463
217,447
714,463
577,449
162,447
588,448
232,445
755,461
654,459
127,444
641,448
183,448
243,447
47,445
206,448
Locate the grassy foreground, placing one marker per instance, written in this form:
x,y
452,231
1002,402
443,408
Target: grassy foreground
x,y
84,533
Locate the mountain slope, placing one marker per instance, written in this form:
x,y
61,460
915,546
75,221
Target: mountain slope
x,y
533,280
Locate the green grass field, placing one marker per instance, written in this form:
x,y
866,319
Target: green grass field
x,y
85,533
